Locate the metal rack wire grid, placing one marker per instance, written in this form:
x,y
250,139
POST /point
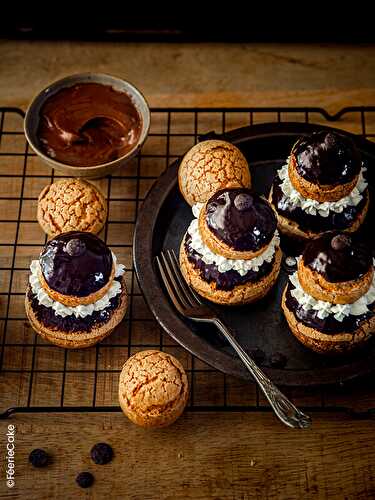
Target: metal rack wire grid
x,y
37,376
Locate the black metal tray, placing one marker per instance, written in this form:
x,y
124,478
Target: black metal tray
x,y
162,223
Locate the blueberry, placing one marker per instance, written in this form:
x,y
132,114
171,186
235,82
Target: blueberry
x,y
340,241
258,355
243,201
101,453
75,247
85,479
278,360
39,458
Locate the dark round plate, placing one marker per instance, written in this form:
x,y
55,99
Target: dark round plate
x,y
161,224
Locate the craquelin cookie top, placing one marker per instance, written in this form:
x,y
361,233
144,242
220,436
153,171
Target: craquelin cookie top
x,y
209,166
240,219
76,264
71,204
327,158
153,384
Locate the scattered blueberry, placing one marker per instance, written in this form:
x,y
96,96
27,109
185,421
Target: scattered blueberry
x,y
278,360
39,458
85,479
101,453
258,355
243,201
290,261
75,247
340,241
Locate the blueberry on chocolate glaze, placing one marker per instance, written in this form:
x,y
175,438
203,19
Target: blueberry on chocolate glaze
x,y
76,263
241,219
327,158
75,247
340,241
338,257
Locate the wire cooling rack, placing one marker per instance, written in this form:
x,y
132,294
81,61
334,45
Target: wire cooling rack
x,y
36,376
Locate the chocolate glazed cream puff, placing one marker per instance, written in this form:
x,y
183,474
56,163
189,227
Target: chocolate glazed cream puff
x,y
329,302
321,188
77,293
230,253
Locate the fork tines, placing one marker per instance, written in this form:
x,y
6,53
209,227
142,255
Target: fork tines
x,y
182,296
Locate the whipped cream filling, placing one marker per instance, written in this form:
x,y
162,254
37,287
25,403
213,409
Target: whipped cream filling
x,y
293,199
80,311
223,264
324,309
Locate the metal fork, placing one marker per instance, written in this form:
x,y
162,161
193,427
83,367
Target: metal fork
x,y
189,305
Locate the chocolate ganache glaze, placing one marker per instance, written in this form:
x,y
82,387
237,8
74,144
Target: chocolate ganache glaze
x,y
338,257
76,263
317,223
229,279
327,158
328,325
241,219
88,124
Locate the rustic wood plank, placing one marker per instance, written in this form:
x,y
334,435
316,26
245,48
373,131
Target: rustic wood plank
x,y
204,455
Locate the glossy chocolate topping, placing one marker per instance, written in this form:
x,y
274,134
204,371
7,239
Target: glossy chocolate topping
x,y
338,257
76,263
317,223
327,158
241,219
328,325
88,124
229,279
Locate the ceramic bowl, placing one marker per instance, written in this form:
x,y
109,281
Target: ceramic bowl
x,y
32,118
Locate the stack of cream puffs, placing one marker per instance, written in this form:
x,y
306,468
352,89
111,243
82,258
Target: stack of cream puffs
x,y
77,293
329,301
230,253
321,188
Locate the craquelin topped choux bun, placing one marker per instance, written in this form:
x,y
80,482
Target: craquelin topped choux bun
x,y
329,301
77,293
209,166
321,188
230,253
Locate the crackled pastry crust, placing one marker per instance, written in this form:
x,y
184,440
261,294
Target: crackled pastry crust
x,y
71,205
291,228
318,192
153,389
339,343
209,166
345,292
73,301
219,247
241,294
77,340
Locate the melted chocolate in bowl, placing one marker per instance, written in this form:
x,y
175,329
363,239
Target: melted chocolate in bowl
x,y
327,158
88,124
76,263
241,219
338,257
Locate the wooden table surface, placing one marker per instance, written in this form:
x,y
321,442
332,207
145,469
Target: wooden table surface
x,y
234,455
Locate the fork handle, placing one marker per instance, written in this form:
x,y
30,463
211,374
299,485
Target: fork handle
x,y
284,409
